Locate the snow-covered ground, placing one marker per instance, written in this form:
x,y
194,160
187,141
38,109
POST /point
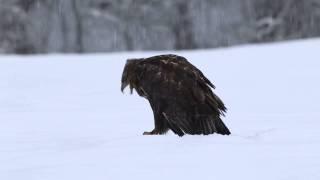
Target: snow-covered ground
x,y
64,118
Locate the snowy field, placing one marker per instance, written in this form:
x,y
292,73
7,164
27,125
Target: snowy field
x,y
65,118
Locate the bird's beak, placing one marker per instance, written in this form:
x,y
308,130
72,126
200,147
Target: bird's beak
x,y
123,86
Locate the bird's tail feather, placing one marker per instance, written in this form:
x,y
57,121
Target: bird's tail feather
x,y
213,125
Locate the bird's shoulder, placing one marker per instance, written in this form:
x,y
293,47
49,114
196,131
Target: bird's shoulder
x,y
176,66
168,63
165,60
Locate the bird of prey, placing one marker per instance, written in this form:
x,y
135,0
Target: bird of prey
x,y
180,96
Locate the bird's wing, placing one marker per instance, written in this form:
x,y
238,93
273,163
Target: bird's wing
x,y
180,64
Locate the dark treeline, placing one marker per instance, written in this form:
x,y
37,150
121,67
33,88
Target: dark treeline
x,y
81,26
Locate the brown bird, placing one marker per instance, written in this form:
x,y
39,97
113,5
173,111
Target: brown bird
x,y
179,94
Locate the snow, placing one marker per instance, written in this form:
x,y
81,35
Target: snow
x,y
64,117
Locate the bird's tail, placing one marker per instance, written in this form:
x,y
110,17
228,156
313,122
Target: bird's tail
x,y
213,125
221,127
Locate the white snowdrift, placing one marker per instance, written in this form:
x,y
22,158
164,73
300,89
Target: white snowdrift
x,y
63,117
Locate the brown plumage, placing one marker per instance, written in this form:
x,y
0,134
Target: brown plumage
x,y
179,94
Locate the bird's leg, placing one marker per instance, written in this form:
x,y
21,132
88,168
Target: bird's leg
x,y
160,124
153,132
157,131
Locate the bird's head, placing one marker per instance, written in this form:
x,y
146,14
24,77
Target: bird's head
x,y
129,75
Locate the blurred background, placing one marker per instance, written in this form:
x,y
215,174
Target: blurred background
x,y
88,26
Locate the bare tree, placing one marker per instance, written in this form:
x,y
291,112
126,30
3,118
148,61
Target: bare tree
x,y
78,27
44,26
182,26
286,19
13,35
